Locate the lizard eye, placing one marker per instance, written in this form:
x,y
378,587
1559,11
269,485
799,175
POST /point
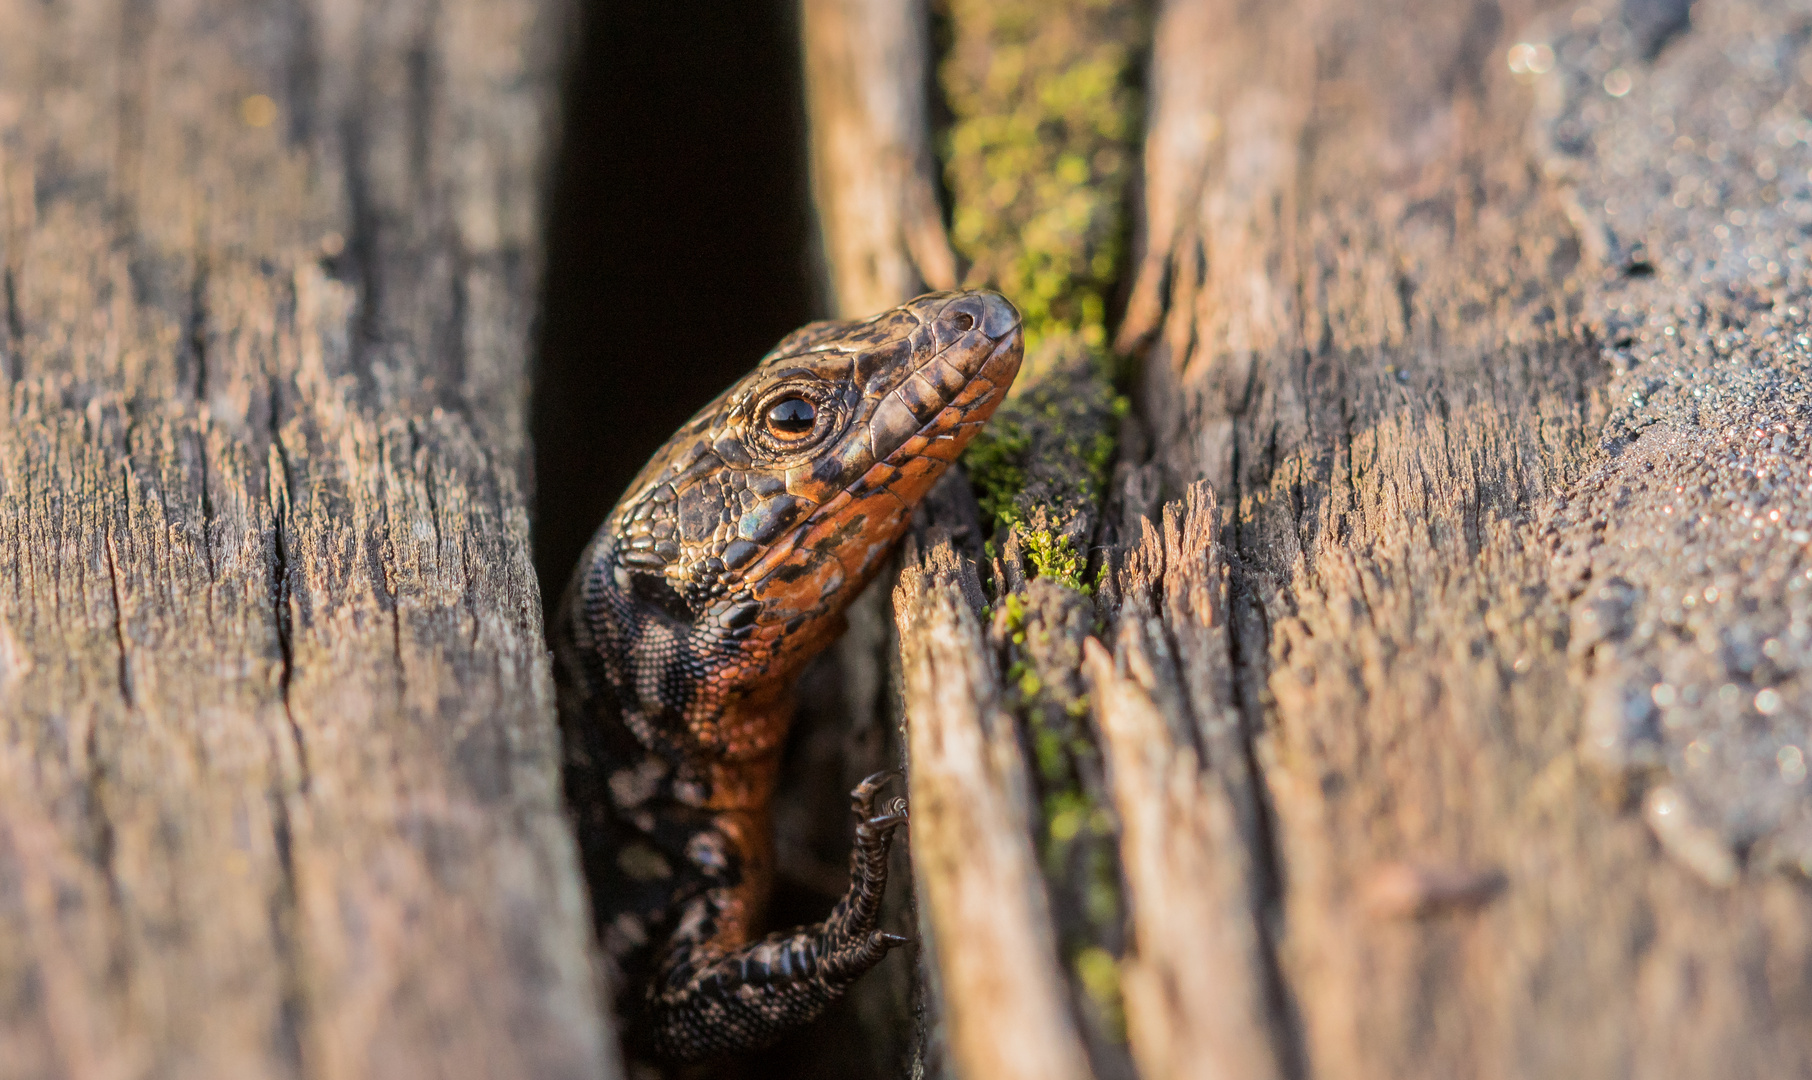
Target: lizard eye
x,y
791,422
791,417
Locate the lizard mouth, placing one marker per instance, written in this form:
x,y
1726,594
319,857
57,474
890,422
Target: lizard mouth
x,y
975,342
949,430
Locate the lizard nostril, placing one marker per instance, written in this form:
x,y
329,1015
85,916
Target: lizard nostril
x,y
964,320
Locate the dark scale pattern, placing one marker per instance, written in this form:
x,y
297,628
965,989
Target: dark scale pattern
x,y
723,570
704,1008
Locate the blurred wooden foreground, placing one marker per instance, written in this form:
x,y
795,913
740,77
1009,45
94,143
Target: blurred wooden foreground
x,y
1425,695
279,789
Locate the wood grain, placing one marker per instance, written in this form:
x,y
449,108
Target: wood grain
x,y
1385,324
1470,738
1201,992
868,95
982,903
278,784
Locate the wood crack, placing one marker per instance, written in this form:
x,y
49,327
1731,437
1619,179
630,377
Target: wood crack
x,y
14,355
113,580
284,915
283,903
1248,660
280,595
1249,678
207,510
197,337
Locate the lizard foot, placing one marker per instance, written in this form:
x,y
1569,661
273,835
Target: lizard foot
x,y
744,1000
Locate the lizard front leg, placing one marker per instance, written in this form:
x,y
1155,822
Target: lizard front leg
x,y
713,996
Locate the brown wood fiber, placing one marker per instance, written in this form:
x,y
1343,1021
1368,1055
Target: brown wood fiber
x,y
278,767
975,870
1376,343
1347,726
867,97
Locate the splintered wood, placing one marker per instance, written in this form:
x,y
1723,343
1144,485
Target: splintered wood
x,y
1196,983
1469,737
982,906
279,792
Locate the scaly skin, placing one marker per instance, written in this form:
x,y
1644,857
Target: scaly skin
x,y
723,570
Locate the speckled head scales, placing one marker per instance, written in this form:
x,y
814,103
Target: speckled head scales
x,y
738,513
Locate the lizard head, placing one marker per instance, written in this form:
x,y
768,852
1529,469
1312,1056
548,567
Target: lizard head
x,y
729,561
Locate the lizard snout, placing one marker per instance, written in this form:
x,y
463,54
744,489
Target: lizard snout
x,y
987,311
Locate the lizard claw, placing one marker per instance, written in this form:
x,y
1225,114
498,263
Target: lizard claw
x,y
870,826
850,938
878,945
863,798
883,823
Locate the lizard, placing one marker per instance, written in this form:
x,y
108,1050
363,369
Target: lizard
x,y
725,567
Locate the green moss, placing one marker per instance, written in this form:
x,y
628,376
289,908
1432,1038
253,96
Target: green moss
x,y
1099,973
1038,157
1038,160
1051,447
1103,897
1075,831
1101,457
1041,151
1067,814
996,462
1053,763
1053,556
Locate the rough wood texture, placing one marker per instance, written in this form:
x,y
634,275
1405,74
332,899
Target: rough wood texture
x,y
867,95
1473,559
1200,992
982,903
278,785
1487,757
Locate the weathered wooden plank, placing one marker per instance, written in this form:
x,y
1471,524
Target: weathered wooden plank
x,y
278,784
981,900
868,96
1200,992
1383,290
1497,366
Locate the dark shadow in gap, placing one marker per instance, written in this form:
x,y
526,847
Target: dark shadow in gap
x,y
677,243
